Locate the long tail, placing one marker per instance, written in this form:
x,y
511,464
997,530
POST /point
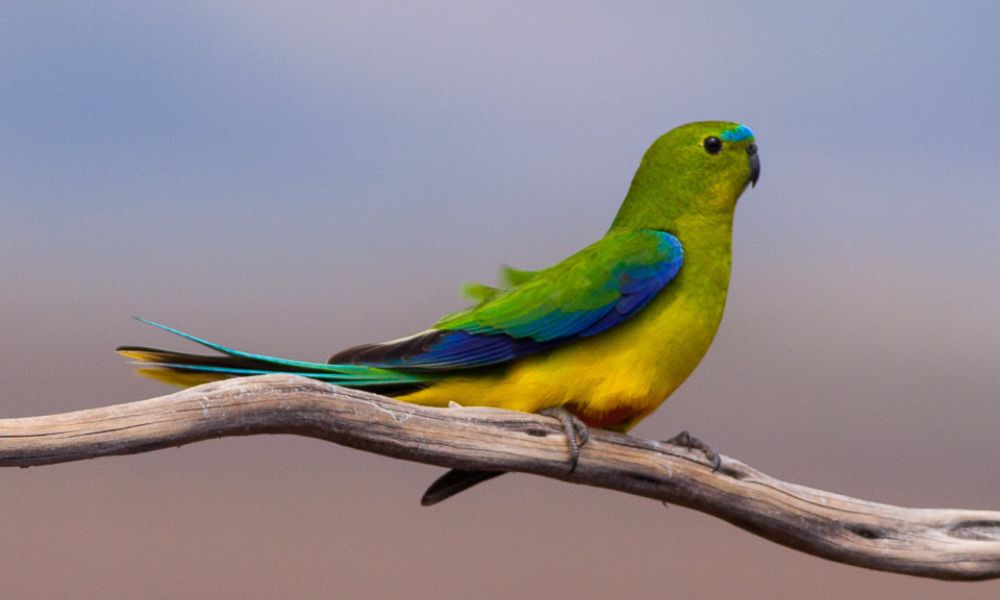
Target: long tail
x,y
185,370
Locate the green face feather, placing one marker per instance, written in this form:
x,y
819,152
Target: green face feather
x,y
696,169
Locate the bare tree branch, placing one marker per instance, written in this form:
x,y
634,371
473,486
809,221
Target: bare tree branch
x,y
939,543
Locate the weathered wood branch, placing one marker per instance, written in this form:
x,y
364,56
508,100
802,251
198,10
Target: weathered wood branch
x,y
939,543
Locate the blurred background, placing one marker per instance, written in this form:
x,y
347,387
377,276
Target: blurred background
x,y
293,178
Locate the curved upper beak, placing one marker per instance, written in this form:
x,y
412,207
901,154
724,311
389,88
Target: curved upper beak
x,y
754,164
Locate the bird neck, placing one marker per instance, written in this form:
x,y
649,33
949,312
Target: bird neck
x,y
698,218
662,198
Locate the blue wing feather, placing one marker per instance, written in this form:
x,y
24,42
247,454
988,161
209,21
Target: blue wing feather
x,y
628,282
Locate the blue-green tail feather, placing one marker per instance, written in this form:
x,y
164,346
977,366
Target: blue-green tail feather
x,y
187,369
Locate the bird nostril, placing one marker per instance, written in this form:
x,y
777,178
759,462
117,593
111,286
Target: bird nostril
x,y
752,149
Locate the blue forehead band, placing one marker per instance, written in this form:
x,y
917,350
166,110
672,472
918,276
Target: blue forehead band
x,y
737,134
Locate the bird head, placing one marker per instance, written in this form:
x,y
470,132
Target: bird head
x,y
698,168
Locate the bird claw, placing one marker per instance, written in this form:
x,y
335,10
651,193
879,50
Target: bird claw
x,y
686,440
577,432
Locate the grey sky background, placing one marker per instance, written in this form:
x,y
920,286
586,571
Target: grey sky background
x,y
294,179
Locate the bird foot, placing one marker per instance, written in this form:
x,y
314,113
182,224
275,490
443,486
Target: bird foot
x,y
686,440
577,432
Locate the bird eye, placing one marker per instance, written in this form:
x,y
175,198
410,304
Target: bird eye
x,y
712,144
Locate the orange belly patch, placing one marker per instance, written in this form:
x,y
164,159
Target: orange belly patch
x,y
604,419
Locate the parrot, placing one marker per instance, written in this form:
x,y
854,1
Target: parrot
x,y
598,340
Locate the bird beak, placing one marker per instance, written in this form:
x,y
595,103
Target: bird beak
x,y
754,164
